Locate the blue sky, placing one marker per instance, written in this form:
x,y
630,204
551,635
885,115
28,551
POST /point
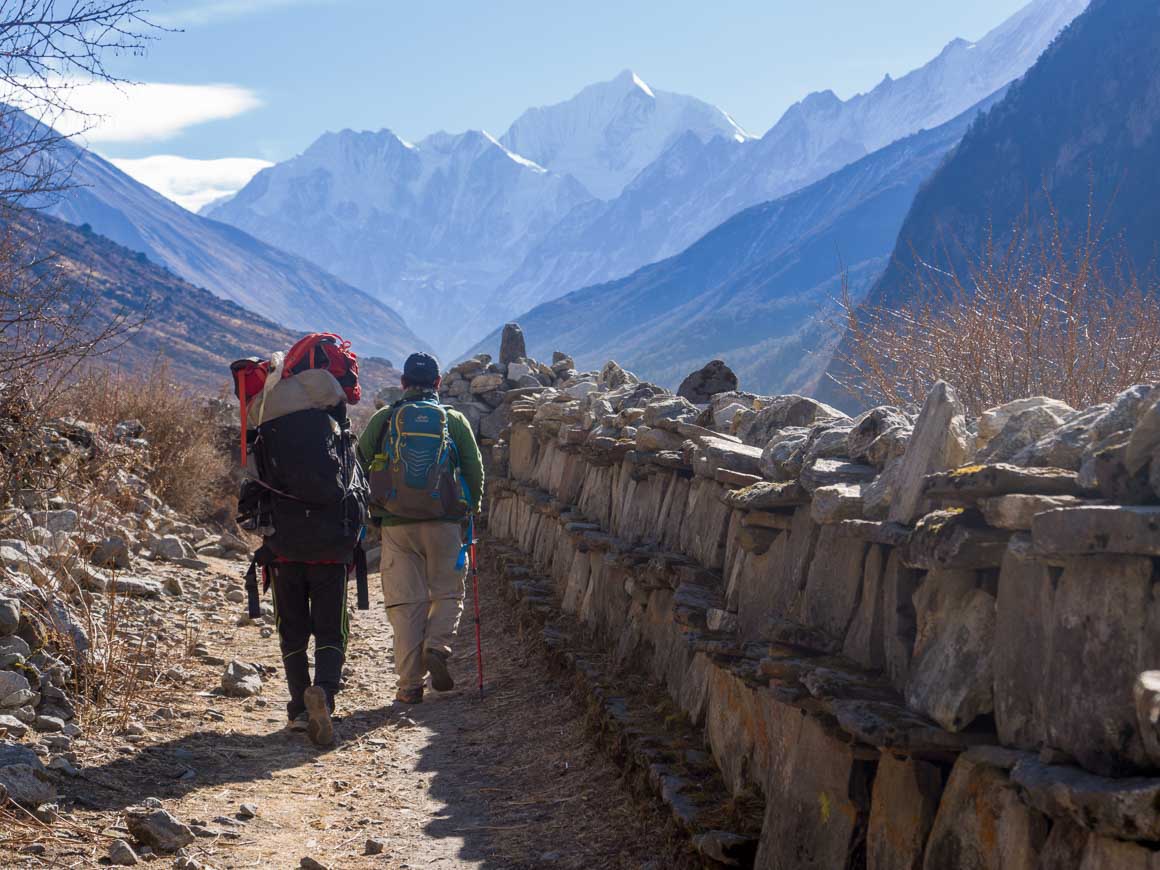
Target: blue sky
x,y
265,77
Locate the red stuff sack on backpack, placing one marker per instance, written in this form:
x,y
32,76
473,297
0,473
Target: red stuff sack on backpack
x,y
319,350
325,350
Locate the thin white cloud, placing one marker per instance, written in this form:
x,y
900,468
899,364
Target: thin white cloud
x,y
208,11
148,111
192,183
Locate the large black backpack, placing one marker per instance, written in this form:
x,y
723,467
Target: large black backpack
x,y
311,496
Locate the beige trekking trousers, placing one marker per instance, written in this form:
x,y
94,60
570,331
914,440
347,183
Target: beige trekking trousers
x,y
423,591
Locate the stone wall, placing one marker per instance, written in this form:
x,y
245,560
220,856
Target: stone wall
x,y
927,641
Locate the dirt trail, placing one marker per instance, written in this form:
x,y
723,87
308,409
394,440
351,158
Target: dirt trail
x,y
511,782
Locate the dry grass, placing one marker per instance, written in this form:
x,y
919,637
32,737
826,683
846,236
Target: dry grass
x,y
1040,316
186,466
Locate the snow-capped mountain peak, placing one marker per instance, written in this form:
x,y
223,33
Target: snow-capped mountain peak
x,y
446,215
609,131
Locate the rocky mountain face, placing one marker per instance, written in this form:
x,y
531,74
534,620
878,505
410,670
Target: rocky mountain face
x,y
697,184
194,331
606,134
751,290
1082,126
231,264
429,226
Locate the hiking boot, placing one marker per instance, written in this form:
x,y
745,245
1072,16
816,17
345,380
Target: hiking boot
x,y
318,726
435,661
299,722
410,696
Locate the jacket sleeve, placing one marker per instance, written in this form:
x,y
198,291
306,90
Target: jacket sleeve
x,y
470,460
368,442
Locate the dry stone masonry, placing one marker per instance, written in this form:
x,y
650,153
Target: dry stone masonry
x,y
923,640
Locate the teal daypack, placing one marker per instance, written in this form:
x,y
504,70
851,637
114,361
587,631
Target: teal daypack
x,y
415,474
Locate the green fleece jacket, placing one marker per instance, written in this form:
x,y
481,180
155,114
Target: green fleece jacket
x,y
470,460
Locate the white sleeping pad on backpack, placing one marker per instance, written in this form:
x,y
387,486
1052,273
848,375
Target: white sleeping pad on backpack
x,y
313,388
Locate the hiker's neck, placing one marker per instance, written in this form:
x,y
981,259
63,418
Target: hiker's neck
x,y
419,392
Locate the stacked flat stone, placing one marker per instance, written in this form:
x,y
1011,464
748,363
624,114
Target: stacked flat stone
x,y
489,393
931,638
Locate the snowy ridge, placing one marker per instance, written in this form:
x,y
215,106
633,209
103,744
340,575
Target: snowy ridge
x,y
523,161
610,131
590,189
697,184
960,75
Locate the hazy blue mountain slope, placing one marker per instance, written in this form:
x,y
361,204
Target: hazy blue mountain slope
x,y
228,262
1084,121
750,290
196,333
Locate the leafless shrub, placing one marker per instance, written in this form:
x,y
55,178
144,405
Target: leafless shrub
x,y
49,327
187,467
1040,315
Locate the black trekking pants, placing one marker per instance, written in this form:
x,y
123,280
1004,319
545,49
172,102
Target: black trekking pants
x,y
310,600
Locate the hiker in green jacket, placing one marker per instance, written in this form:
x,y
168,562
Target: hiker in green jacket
x,y
426,476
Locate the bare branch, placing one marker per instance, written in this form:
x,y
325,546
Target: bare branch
x,y
1038,315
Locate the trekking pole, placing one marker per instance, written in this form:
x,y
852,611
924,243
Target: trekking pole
x,y
475,592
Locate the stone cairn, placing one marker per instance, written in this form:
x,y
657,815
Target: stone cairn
x,y
484,391
924,640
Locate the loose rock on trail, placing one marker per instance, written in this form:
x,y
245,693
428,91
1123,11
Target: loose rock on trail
x,y
206,776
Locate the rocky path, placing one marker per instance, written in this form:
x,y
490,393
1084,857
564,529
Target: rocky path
x,y
509,782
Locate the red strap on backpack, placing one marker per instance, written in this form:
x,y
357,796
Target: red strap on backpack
x,y
249,378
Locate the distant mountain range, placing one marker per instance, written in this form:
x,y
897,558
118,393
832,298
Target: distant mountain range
x,y
606,134
282,287
449,217
195,332
588,190
752,289
697,184
423,225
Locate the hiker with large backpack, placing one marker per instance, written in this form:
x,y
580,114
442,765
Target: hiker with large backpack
x,y
304,492
426,479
